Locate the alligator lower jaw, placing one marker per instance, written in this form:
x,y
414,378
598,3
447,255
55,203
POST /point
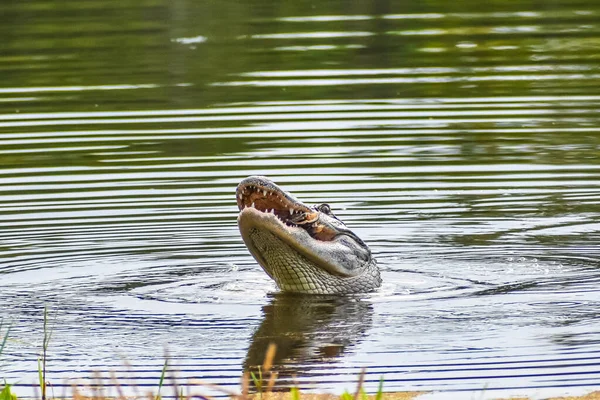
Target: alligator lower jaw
x,y
265,235
302,241
251,220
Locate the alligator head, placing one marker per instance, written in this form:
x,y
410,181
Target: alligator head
x,y
303,249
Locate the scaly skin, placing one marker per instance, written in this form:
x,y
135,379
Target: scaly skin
x,y
303,249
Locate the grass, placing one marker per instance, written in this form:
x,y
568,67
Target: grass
x,y
6,393
264,387
44,355
161,381
5,338
263,379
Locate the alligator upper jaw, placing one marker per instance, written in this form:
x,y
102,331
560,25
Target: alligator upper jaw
x,y
260,193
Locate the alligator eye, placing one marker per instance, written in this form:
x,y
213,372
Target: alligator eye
x,y
324,208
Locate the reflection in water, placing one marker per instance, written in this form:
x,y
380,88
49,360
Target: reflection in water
x,y
308,331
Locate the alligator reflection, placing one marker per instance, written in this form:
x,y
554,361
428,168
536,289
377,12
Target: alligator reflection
x,y
309,331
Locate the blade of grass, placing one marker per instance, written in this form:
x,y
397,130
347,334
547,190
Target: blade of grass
x,y
135,388
295,393
6,393
5,337
269,357
257,380
361,381
379,394
45,344
162,379
41,379
117,385
346,396
97,386
245,385
174,382
272,380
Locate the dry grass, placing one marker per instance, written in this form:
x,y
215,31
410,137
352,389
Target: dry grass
x,y
404,396
263,383
289,396
589,396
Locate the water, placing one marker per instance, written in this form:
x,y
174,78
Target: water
x,y
460,142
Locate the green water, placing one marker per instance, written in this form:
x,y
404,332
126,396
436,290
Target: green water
x,y
460,140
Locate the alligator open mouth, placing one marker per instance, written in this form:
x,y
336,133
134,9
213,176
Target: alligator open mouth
x,y
263,195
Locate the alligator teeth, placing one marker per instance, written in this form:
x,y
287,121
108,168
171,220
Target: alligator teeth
x,y
291,211
265,193
240,196
252,205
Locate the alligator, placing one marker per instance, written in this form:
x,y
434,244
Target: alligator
x,y
304,249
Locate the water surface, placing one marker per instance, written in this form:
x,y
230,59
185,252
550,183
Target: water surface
x,y
461,143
